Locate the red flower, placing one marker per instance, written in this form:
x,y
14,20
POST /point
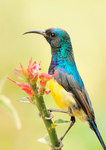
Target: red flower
x,y
33,70
31,73
42,84
18,73
24,86
47,91
46,77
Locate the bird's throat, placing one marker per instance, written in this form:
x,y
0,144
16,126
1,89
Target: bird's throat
x,y
60,56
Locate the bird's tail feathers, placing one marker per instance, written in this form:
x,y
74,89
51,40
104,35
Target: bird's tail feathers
x,y
95,129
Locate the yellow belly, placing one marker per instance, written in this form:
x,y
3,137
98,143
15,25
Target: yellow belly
x,y
62,98
65,100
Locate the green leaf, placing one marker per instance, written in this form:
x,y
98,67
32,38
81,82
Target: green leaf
x,y
24,100
60,122
2,81
6,104
45,140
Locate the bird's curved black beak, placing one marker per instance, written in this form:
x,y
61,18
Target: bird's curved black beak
x,y
42,32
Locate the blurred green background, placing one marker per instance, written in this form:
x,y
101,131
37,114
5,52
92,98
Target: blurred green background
x,y
85,21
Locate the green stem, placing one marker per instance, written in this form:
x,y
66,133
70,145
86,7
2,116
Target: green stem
x,y
48,123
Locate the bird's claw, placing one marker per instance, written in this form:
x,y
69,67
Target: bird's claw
x,y
50,116
47,118
57,148
61,145
39,114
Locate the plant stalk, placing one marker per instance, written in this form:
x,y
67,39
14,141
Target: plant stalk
x,y
48,123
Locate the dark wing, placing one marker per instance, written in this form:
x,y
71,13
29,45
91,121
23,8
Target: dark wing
x,y
80,93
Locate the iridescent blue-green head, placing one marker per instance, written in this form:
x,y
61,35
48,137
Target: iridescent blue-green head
x,y
61,49
58,39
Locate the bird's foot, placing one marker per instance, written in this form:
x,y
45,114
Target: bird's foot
x,y
57,148
50,116
61,145
47,118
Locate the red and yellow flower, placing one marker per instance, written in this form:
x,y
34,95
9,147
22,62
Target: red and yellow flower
x,y
31,75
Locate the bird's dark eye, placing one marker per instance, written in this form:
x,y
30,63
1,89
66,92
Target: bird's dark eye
x,y
52,34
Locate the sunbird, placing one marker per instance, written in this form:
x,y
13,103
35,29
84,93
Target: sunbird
x,y
67,87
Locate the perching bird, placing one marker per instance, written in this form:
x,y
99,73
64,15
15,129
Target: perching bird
x,y
67,88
